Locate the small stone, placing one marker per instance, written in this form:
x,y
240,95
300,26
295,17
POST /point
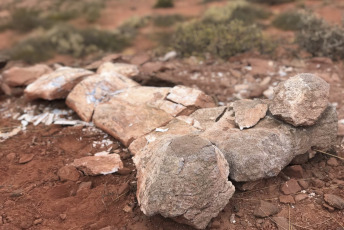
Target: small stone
x,y
63,216
266,209
318,183
25,158
290,187
249,112
99,165
232,219
300,159
38,221
216,224
127,208
124,171
68,172
334,201
84,186
332,162
287,199
11,156
295,171
301,99
300,197
328,207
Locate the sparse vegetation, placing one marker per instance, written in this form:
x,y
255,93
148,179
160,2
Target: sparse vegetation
x,y
167,20
290,20
219,39
272,2
25,19
164,4
64,39
320,38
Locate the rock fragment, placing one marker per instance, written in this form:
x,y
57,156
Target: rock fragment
x,y
334,201
332,162
126,70
249,112
99,165
300,100
282,223
25,158
287,199
68,173
290,187
57,84
266,209
96,89
22,76
295,171
184,178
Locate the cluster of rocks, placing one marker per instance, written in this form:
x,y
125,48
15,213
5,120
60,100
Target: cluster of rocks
x,y
185,148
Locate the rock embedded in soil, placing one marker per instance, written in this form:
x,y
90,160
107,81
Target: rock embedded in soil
x,y
265,209
57,84
94,90
287,199
290,187
334,201
300,197
25,158
333,162
68,173
184,178
22,76
99,165
270,145
249,112
300,100
295,171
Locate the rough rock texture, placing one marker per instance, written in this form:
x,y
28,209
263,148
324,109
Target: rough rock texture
x,y
290,187
131,113
266,209
68,172
22,76
300,100
93,90
56,85
249,112
190,97
206,117
184,178
99,165
123,69
334,201
270,145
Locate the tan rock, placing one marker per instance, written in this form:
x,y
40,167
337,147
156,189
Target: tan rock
x,y
22,76
190,97
99,165
300,100
95,89
68,172
249,112
127,70
56,85
184,178
206,117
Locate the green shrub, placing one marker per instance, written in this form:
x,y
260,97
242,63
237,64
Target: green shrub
x,y
164,4
167,20
272,2
25,19
320,38
290,20
65,39
220,39
239,10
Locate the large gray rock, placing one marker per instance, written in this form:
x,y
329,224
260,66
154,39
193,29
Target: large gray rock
x,y
184,178
264,150
56,85
300,100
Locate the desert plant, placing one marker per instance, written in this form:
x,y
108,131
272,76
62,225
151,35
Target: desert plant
x,y
25,19
167,20
220,39
320,38
164,4
290,20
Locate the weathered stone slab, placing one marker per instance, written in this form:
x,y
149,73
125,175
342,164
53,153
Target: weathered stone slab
x,y
184,178
300,100
56,85
126,70
249,112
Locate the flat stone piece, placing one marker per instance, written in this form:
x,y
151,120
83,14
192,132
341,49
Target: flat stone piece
x,y
57,84
290,187
190,97
249,112
68,172
25,158
96,89
99,165
184,178
300,100
334,201
265,209
22,76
